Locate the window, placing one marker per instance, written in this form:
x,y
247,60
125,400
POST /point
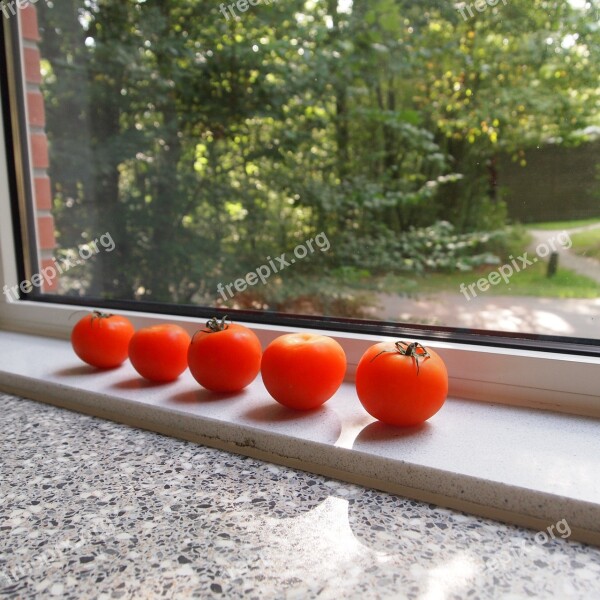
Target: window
x,y
346,164
370,169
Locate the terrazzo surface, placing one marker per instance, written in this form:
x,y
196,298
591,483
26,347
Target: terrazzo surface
x,y
93,509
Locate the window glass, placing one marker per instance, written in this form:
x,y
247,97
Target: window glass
x,y
422,162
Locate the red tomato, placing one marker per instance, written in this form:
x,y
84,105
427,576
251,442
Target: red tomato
x,y
101,340
159,353
224,357
401,384
303,370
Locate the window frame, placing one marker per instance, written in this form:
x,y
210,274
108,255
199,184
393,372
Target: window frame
x,y
558,375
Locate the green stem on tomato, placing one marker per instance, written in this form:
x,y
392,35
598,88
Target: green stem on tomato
x,y
214,325
96,314
413,350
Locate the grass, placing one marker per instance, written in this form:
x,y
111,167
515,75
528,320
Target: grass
x,y
587,243
531,281
556,225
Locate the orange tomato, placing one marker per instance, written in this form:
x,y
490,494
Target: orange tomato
x,y
102,340
159,353
401,384
303,370
224,357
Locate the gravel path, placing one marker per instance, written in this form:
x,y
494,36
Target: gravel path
x,y
566,258
519,314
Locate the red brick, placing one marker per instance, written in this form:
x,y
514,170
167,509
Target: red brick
x,y
53,286
32,65
43,193
39,151
35,109
46,240
29,23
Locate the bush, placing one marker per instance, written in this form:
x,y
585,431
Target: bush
x,y
434,248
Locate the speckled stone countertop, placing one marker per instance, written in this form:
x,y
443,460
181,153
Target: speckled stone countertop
x,y
93,509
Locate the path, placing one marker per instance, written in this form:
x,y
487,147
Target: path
x,y
579,264
519,314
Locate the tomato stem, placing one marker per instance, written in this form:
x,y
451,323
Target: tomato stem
x,y
99,315
214,325
413,350
96,314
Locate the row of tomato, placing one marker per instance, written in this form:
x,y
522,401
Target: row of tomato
x,y
398,383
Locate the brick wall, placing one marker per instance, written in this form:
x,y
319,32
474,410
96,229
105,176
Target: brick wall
x,y
36,119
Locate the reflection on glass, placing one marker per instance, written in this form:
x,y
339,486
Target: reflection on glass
x,y
449,160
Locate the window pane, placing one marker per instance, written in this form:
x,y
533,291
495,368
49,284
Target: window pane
x,y
431,163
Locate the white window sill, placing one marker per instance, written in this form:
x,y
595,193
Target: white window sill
x,y
518,465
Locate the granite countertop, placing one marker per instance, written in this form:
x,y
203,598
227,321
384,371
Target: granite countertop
x,y
94,509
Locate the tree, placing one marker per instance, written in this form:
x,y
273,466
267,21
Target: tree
x,y
206,144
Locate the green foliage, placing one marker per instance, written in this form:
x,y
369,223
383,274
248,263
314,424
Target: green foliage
x,y
434,248
309,295
532,281
205,145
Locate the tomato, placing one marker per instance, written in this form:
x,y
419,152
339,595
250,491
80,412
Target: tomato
x,y
101,340
401,384
224,357
303,370
159,353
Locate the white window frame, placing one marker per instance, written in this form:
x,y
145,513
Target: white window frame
x,y
552,381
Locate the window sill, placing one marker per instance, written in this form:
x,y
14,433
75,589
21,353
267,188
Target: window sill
x,y
518,465
527,378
